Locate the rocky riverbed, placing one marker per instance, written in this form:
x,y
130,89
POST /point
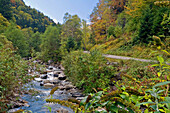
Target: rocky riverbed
x,y
43,83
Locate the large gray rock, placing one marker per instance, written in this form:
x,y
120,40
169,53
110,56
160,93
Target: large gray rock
x,y
48,85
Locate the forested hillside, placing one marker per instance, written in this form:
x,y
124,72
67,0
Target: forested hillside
x,y
28,17
125,24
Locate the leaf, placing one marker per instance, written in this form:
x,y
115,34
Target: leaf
x,y
146,111
114,108
83,101
154,65
159,47
162,83
87,105
167,99
160,91
49,108
145,103
153,106
105,103
159,74
164,102
166,52
130,110
123,96
160,59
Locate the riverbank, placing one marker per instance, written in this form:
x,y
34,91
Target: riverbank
x,y
44,81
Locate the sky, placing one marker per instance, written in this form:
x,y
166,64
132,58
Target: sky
x,y
56,9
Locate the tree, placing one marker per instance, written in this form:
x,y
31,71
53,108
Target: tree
x,y
18,39
3,23
104,16
50,44
36,41
86,35
72,28
70,44
5,9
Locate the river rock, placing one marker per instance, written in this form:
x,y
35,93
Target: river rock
x,y
43,76
59,68
61,87
13,110
48,85
55,75
26,105
44,72
42,84
50,74
80,98
62,77
48,70
50,67
68,87
55,81
62,110
77,94
38,79
46,81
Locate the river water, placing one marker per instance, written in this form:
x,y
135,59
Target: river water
x,y
37,102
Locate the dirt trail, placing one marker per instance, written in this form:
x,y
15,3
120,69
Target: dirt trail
x,y
127,58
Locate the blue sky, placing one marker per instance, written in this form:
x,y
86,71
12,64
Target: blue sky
x,y
56,9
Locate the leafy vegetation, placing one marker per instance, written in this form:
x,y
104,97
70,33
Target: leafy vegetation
x,y
13,70
88,71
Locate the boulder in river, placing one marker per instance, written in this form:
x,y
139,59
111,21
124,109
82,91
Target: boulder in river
x,y
50,67
77,94
46,81
44,76
68,87
62,77
38,79
48,85
55,75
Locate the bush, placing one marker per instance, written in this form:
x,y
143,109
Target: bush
x,y
12,71
88,71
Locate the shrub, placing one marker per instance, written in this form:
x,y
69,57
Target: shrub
x,y
12,71
88,71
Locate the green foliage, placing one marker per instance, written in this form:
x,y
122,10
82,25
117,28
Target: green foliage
x,y
157,103
71,32
16,36
70,44
26,17
13,70
50,44
36,41
87,71
5,9
3,23
111,31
